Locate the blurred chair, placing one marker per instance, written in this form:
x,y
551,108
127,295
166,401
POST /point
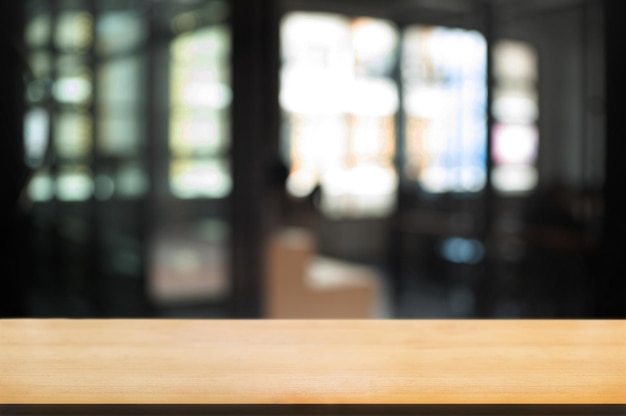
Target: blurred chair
x,y
302,284
186,268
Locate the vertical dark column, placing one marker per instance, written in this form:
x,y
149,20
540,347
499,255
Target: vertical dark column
x,y
55,286
95,261
585,152
254,130
610,296
490,37
396,237
152,151
484,285
12,171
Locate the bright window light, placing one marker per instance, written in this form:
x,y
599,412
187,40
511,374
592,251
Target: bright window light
x,y
41,187
516,110
200,178
197,133
363,191
339,102
74,31
73,134
515,106
444,72
36,132
515,144
514,178
200,97
72,90
515,61
74,185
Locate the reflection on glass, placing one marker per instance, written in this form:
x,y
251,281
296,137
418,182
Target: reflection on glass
x,y
74,184
339,103
204,178
73,135
444,71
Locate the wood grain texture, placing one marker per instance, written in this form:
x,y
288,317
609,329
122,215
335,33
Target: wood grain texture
x,y
312,362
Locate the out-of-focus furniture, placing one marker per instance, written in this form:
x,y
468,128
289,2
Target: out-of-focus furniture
x,y
301,284
187,268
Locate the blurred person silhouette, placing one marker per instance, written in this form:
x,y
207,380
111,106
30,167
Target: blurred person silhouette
x,y
286,210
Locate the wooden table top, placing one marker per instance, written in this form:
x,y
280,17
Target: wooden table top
x,y
61,361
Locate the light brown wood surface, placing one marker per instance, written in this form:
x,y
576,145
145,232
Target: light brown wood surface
x,y
312,362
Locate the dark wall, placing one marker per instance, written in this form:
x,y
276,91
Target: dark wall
x,y
611,271
12,169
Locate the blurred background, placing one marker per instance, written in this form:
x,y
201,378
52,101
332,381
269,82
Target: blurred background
x,y
312,159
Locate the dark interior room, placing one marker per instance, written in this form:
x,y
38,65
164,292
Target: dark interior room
x,y
312,159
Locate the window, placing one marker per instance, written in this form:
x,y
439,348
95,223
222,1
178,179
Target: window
x,y
58,96
200,100
339,103
121,106
191,236
515,112
444,75
339,98
86,97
